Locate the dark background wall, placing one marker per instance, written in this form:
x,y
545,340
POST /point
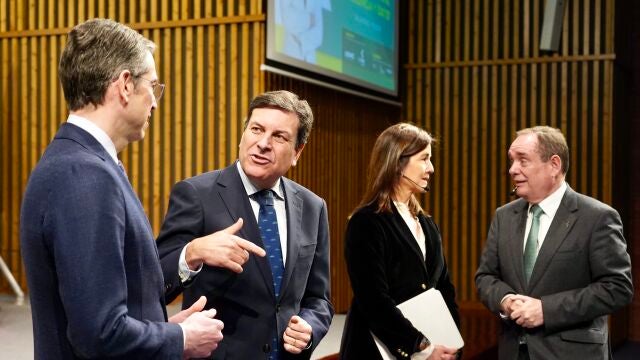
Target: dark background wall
x,y
626,154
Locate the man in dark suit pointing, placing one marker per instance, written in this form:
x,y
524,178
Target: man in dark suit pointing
x,y
555,263
277,306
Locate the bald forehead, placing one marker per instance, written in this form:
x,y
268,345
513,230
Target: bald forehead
x,y
523,145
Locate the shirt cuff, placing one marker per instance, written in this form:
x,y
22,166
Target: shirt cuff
x,y
502,315
424,354
185,273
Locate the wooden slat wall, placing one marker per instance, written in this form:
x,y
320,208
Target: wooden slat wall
x,y
209,53
475,75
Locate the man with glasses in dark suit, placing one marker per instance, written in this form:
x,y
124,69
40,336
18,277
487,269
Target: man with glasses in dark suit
x,y
92,265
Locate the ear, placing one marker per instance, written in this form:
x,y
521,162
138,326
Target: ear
x,y
125,85
556,165
297,156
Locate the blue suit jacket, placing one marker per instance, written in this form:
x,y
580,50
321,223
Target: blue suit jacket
x,y
92,266
246,302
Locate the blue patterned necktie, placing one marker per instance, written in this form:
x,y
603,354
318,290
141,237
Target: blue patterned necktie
x,y
530,248
268,224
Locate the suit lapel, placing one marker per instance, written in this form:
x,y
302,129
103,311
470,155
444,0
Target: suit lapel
x,y
294,230
562,223
433,263
229,186
516,245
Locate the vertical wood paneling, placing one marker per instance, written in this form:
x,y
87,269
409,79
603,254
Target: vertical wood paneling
x,y
491,80
196,126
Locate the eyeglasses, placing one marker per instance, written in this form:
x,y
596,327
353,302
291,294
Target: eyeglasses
x,y
158,89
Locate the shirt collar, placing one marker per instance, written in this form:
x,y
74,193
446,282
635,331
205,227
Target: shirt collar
x,y
96,132
252,189
551,203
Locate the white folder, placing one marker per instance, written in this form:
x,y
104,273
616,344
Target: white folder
x,y
430,315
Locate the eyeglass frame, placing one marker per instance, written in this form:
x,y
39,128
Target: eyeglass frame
x,y
154,85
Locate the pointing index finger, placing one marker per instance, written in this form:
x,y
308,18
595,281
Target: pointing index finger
x,y
250,247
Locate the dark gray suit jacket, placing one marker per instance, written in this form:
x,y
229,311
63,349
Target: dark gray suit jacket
x,y
246,302
94,277
582,274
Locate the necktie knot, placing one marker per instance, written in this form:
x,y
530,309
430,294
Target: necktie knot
x,y
536,211
264,197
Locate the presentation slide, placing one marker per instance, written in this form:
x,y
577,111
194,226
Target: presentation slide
x,y
352,40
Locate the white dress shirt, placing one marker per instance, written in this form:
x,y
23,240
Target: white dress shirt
x,y
281,214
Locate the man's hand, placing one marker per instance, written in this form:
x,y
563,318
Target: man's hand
x,y
201,331
443,352
222,249
184,314
509,304
529,313
297,335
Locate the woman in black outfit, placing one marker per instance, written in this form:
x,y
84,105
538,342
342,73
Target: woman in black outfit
x,y
393,251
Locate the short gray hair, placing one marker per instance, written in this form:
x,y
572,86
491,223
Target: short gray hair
x,y
551,142
97,51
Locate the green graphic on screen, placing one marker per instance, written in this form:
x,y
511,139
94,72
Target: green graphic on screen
x,y
355,38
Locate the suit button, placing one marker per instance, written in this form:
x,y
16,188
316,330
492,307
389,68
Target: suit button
x,y
277,308
167,286
424,286
266,348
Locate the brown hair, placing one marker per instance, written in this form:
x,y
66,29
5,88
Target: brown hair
x,y
389,156
551,142
97,51
288,101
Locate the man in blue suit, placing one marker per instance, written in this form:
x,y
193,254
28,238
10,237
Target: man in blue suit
x,y
277,306
92,265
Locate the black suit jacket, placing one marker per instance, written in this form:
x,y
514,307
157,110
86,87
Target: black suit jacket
x,y
246,302
582,274
386,268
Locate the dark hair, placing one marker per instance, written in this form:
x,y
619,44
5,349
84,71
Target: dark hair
x,y
288,101
389,156
551,142
97,51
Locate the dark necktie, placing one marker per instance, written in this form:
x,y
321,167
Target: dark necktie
x,y
268,224
531,247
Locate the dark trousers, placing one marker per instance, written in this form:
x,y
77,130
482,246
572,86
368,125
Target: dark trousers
x,y
523,352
